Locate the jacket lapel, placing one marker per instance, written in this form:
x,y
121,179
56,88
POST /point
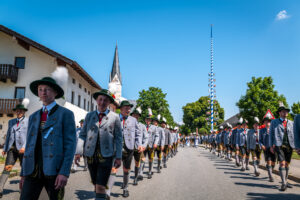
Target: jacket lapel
x,y
104,120
36,121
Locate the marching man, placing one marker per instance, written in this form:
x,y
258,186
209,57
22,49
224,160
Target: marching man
x,y
265,142
100,140
282,137
161,143
253,145
15,142
138,155
168,141
51,141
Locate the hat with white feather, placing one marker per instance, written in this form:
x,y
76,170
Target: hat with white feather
x,y
240,121
23,105
57,80
163,121
256,120
137,111
149,115
283,107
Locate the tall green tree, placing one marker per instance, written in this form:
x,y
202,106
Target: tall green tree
x,y
155,99
295,109
197,115
260,96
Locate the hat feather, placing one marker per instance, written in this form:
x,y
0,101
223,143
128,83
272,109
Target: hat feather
x,y
25,102
158,116
150,112
60,75
112,87
139,109
256,119
164,119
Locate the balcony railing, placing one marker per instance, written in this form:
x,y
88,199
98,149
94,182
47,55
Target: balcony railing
x,y
8,71
7,105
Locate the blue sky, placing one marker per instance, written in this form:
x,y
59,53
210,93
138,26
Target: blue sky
x,y
166,43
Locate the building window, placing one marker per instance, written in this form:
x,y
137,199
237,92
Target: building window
x,y
79,98
20,93
92,106
73,81
72,97
85,90
89,93
79,85
84,104
88,106
20,62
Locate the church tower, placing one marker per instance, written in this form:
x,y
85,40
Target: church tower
x,y
115,81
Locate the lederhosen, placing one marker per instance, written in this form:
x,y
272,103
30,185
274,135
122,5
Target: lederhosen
x,y
127,154
285,151
269,156
99,166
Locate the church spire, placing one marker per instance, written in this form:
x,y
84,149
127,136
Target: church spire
x,y
115,71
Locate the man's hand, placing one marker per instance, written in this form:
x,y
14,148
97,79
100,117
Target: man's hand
x,y
170,146
22,150
140,149
117,163
155,146
60,182
77,158
263,147
3,153
21,183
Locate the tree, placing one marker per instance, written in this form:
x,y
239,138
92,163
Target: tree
x,y
196,115
260,96
295,109
154,98
203,131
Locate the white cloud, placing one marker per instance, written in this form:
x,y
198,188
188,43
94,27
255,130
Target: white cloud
x,y
282,15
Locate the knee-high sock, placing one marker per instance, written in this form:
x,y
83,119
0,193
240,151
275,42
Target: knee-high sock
x,y
158,163
85,161
255,166
125,180
164,160
237,160
243,162
269,167
282,173
247,162
287,173
141,168
110,183
136,172
100,196
150,166
3,179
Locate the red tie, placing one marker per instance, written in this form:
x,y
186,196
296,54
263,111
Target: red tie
x,y
101,115
44,115
284,123
147,127
18,121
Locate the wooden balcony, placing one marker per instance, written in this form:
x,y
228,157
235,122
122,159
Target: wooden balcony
x,y
7,105
8,71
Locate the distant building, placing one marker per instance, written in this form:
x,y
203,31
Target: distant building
x,y
232,120
23,60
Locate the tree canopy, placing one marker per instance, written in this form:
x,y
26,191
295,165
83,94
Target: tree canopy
x,y
260,96
197,115
155,99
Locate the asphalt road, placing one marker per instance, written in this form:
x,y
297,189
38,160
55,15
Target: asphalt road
x,y
193,174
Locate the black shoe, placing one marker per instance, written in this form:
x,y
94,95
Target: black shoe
x,y
149,176
283,187
271,179
72,171
140,177
135,181
257,173
125,193
243,169
1,194
289,185
165,165
247,168
85,169
158,170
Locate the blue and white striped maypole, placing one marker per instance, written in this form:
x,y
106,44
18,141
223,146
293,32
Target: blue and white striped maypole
x,y
212,85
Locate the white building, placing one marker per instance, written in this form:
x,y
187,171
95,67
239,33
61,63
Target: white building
x,y
23,60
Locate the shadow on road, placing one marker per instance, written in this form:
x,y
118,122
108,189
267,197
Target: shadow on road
x,y
257,196
5,191
250,178
258,185
82,194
